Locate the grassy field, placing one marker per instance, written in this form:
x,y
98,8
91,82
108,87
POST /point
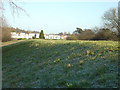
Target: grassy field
x,y
60,64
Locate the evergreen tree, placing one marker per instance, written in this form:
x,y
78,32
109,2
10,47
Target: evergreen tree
x,y
41,36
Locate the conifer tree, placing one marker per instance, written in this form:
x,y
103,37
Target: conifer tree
x,y
41,36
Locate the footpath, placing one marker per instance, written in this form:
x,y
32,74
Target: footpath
x,y
9,42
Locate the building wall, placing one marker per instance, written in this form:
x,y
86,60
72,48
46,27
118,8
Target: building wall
x,y
30,35
52,36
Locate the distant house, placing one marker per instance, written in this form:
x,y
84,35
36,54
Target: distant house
x,y
63,36
52,36
24,35
30,35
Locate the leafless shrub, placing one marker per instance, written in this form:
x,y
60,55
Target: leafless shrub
x,y
6,34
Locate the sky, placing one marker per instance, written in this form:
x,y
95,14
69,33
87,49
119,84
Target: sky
x,y
55,17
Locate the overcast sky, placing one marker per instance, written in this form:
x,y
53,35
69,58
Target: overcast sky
x,y
55,17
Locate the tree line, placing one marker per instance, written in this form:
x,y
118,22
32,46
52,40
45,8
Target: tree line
x,y
88,34
109,31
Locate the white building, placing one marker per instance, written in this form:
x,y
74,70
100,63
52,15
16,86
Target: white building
x,y
30,35
24,35
52,36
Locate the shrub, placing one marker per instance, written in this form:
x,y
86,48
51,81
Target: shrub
x,y
105,34
21,39
72,37
86,35
101,34
6,34
33,37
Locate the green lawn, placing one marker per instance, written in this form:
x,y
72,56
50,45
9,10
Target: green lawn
x,y
60,64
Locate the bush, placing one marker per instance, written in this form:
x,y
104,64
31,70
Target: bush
x,y
33,37
105,34
21,39
6,34
102,34
86,35
72,37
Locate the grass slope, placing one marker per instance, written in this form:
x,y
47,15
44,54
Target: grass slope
x,y
60,63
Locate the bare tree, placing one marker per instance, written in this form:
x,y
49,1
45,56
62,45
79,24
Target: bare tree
x,y
3,24
13,5
110,19
15,9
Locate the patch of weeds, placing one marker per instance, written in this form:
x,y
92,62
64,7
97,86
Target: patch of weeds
x,y
66,69
91,53
84,84
103,57
99,54
81,84
102,79
100,70
73,55
88,74
69,75
62,82
69,85
68,65
93,58
57,76
13,83
112,60
110,53
27,86
81,68
57,60
88,52
81,62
